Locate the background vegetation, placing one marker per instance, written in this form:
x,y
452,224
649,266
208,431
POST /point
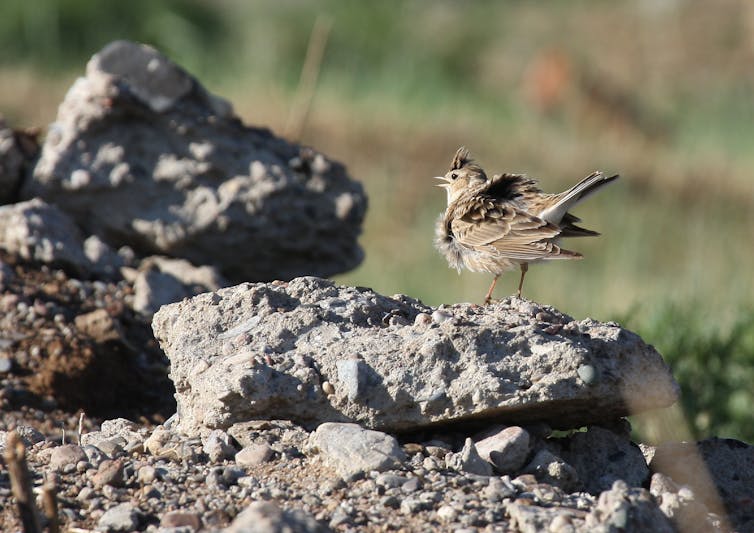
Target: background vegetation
x,y
657,90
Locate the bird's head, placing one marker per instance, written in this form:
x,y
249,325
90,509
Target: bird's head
x,y
464,175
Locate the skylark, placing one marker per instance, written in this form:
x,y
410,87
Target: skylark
x,y
494,224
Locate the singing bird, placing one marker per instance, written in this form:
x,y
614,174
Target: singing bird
x,y
494,224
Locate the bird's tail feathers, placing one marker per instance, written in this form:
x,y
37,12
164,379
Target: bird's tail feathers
x,y
575,194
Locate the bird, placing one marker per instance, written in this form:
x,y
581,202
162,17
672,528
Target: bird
x,y
495,224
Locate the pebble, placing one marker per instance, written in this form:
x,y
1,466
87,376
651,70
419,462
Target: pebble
x,y
439,316
587,373
65,457
412,485
390,480
122,517
181,519
253,455
109,473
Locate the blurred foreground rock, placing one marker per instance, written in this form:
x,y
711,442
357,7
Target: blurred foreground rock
x,y
142,155
313,352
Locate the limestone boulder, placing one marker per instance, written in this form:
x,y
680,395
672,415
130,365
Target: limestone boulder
x,y
313,352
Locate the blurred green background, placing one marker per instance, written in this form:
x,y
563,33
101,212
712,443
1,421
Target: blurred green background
x,y
660,91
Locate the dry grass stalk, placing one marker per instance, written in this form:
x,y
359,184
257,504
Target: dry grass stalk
x,y
15,459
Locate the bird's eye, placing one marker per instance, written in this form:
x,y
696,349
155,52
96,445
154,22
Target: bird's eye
x,y
454,176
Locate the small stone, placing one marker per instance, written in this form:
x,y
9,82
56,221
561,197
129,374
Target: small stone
x,y
218,447
351,449
507,449
469,461
181,519
6,365
146,474
328,388
268,517
339,517
29,435
549,468
411,485
422,319
447,514
497,490
85,493
156,441
439,316
389,481
352,375
392,502
66,455
122,517
411,506
94,455
253,455
110,447
587,373
109,473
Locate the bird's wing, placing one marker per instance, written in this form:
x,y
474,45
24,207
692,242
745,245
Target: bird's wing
x,y
507,231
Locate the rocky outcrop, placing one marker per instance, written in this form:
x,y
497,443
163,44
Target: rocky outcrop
x,y
142,155
313,352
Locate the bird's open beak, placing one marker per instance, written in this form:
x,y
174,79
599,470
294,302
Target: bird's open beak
x,y
443,185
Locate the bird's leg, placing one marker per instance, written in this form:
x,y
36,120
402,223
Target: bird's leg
x,y
488,298
524,268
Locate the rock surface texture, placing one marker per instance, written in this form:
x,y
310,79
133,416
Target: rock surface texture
x,y
142,155
314,352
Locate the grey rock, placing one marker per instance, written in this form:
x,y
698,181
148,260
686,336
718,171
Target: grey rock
x,y
410,485
103,260
266,517
122,517
94,455
109,473
601,457
549,468
101,327
68,454
6,364
254,454
174,519
499,488
115,431
351,449
719,472
263,350
162,280
111,447
528,518
37,231
29,436
389,480
626,509
217,445
142,155
468,460
506,449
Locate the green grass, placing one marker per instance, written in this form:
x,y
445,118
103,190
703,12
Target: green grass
x,y
714,366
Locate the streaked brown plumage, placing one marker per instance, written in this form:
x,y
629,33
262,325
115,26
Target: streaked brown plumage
x,y
493,225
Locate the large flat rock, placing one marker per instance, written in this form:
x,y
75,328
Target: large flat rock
x,y
142,155
313,352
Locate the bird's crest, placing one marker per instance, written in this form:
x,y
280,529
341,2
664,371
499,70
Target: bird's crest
x,y
463,159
